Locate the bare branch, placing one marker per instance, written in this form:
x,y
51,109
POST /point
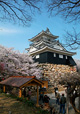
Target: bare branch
x,y
72,40
67,8
18,11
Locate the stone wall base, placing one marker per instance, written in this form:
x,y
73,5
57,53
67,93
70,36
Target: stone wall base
x,y
53,72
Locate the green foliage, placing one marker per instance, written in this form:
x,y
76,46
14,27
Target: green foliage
x,y
40,111
0,90
30,103
20,99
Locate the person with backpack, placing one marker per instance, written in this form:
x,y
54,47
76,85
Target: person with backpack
x,y
62,104
46,100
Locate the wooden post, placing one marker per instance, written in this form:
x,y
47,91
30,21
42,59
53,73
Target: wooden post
x,y
20,92
37,105
79,100
79,103
67,98
4,89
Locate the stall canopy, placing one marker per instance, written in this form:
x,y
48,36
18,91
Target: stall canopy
x,y
20,82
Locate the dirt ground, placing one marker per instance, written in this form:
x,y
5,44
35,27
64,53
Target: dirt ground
x,y
11,106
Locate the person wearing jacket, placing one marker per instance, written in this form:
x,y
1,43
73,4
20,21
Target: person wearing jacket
x,y
62,104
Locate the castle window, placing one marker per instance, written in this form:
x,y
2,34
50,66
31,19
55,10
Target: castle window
x,y
54,55
60,56
48,39
66,57
37,56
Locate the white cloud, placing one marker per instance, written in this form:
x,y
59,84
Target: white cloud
x,y
8,30
1,29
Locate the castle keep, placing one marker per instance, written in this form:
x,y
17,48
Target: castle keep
x,y
53,58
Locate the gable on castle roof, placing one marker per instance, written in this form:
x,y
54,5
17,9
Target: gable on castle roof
x,y
46,33
46,48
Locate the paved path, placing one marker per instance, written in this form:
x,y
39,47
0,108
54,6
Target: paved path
x,y
7,106
53,102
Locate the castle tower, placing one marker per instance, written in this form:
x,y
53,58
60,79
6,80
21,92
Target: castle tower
x,y
45,48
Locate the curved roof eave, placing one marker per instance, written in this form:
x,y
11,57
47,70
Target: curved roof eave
x,y
46,48
42,33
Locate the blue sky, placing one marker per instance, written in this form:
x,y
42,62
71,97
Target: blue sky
x,y
13,35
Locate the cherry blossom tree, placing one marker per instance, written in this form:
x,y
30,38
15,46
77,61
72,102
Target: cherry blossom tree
x,y
16,63
78,64
1,66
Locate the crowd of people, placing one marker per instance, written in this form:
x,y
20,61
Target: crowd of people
x,y
27,94
60,100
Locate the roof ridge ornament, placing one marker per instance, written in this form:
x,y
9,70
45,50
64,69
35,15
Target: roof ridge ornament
x,y
47,30
42,30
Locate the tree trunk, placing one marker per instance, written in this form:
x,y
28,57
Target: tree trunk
x,y
76,110
79,103
67,99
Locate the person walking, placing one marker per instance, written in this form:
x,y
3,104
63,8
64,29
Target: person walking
x,y
55,90
62,104
24,92
41,98
29,94
46,100
57,98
